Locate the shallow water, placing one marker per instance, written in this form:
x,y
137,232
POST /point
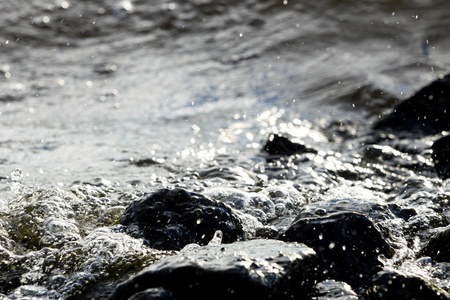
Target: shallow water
x,y
103,101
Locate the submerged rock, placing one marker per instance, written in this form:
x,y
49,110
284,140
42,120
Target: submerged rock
x,y
441,156
347,243
438,248
396,285
171,219
279,145
426,112
257,269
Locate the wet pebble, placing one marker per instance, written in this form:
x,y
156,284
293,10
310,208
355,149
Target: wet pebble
x,y
280,145
172,219
347,243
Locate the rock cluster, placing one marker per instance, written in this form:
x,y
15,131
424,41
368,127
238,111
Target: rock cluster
x,y
334,248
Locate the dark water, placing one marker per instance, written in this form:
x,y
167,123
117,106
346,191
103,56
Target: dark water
x,y
103,101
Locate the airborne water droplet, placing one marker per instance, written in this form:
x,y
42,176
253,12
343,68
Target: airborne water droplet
x,y
16,175
16,181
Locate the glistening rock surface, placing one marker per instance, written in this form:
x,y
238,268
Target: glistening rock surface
x,y
426,112
257,269
280,145
441,156
347,244
396,285
171,219
438,247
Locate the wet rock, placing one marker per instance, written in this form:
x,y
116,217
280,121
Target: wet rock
x,y
402,212
171,219
105,68
438,248
426,112
257,269
279,145
336,290
347,243
396,285
147,162
10,277
441,157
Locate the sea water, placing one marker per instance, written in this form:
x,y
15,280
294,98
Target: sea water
x,y
104,101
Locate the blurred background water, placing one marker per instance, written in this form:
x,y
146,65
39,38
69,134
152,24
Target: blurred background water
x,y
87,85
105,99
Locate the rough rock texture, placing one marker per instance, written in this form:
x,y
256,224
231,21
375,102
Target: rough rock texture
x,y
171,219
279,145
395,285
426,112
257,269
438,248
441,156
347,243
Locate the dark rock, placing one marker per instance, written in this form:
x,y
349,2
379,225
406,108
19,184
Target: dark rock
x,y
347,243
279,145
438,248
106,68
171,219
401,212
395,285
146,162
257,269
441,157
426,112
10,278
336,290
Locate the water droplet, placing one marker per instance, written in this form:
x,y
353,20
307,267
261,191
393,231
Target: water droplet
x,y
16,175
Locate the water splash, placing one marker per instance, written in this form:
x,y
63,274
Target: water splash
x,y
217,239
16,181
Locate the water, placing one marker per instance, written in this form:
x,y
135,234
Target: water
x,y
102,101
